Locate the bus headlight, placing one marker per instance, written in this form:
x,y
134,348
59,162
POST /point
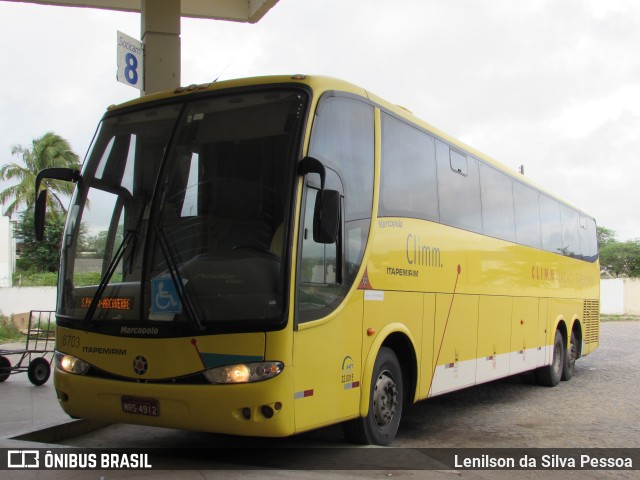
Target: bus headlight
x,y
70,364
244,372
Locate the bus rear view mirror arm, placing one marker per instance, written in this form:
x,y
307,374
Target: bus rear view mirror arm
x,y
55,173
313,165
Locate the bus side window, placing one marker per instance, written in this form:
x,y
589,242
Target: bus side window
x,y
318,259
551,224
583,233
527,210
459,189
498,218
342,138
592,230
570,232
319,288
408,183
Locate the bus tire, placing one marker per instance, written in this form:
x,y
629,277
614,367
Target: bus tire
x,y
39,371
386,398
570,358
550,375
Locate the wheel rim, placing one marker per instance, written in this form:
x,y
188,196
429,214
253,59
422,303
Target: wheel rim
x,y
40,371
385,399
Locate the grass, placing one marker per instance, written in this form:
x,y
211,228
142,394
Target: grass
x,y
46,279
619,318
50,279
8,331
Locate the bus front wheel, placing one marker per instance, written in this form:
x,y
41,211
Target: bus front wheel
x,y
550,375
386,397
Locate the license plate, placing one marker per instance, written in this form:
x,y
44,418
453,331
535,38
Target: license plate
x,y
141,406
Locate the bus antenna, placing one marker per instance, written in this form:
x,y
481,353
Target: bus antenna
x,y
222,72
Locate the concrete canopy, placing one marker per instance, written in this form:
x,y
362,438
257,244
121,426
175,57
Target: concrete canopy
x,y
250,11
160,28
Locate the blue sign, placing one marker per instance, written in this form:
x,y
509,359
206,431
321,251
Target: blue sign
x,y
164,296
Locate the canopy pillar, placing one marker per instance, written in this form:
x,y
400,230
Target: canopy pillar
x,y
160,30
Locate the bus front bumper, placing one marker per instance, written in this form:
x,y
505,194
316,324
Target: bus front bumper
x,y
254,409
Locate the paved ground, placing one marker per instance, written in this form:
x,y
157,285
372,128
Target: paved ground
x,y
597,408
24,406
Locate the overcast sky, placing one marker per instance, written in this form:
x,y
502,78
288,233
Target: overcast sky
x,y
551,84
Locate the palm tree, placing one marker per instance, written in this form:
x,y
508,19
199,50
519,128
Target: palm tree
x,y
50,150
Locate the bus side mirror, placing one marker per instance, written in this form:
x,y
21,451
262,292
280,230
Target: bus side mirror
x,y
40,214
56,173
326,216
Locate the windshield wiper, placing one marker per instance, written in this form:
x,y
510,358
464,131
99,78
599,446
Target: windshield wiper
x,y
108,274
176,278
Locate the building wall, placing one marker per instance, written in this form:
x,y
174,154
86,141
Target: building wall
x,y
620,296
612,296
7,249
632,296
22,299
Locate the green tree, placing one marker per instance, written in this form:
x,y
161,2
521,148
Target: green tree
x,y
36,257
618,259
50,150
97,244
621,259
605,236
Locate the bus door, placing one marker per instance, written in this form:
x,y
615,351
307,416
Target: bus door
x,y
328,337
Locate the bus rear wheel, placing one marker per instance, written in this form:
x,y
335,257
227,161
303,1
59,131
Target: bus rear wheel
x,y
570,358
550,375
386,397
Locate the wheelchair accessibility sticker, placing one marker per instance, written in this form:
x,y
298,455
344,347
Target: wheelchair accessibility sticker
x,y
164,296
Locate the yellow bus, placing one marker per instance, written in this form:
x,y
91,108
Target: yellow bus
x,y
274,255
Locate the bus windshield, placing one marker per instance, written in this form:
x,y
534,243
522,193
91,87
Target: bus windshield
x,y
182,214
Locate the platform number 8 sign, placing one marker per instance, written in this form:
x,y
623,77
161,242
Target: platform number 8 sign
x,y
130,61
130,70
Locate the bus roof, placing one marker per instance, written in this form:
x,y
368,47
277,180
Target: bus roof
x,y
320,84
